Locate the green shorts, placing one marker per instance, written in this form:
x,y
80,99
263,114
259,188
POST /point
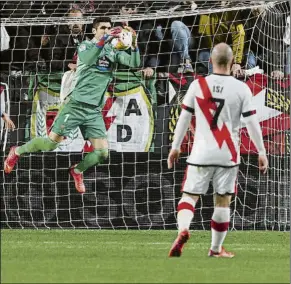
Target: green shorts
x,y
75,114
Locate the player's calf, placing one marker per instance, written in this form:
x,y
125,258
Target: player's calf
x,y
186,208
91,159
35,145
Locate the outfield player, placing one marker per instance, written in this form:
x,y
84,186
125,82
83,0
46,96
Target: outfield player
x,y
82,108
218,101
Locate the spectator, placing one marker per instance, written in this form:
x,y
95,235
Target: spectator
x,y
149,45
84,6
179,42
23,50
223,27
58,45
182,41
266,38
23,54
148,42
128,10
148,51
8,122
154,34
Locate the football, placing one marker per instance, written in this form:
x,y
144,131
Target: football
x,y
124,41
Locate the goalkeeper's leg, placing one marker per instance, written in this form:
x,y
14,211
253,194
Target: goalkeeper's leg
x,y
99,155
67,119
35,145
93,129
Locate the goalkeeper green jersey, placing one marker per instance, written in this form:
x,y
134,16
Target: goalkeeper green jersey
x,y
95,65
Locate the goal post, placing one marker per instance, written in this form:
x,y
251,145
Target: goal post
x,y
134,189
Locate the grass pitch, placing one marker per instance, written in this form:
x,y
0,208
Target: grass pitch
x,y
93,256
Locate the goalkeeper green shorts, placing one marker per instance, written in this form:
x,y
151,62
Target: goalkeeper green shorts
x,y
75,114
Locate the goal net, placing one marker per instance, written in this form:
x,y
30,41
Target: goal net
x,y
134,189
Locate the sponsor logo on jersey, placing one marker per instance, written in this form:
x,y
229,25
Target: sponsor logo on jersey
x,y
82,47
103,64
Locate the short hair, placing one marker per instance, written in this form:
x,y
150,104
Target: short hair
x,y
222,60
222,54
99,20
74,10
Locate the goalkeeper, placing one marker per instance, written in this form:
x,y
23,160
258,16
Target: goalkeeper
x,y
82,108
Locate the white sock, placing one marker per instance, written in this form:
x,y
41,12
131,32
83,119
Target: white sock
x,y
219,226
185,214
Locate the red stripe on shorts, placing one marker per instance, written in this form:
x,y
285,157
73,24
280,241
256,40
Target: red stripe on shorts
x,y
184,179
235,186
219,227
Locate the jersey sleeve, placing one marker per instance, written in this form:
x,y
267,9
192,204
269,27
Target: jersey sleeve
x,y
247,106
189,99
252,122
88,52
116,56
131,60
181,129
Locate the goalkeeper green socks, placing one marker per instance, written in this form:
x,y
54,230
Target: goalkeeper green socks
x,y
94,158
46,144
37,144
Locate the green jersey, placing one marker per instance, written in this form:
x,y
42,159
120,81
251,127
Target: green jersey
x,y
95,66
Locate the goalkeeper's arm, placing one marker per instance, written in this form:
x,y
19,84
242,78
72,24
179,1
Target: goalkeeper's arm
x,y
131,60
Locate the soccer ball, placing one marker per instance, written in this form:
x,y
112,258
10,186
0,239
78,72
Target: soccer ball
x,y
124,41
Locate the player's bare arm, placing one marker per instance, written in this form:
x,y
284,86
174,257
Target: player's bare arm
x,y
182,125
254,130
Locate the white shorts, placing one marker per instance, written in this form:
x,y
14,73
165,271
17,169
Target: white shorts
x,y
196,180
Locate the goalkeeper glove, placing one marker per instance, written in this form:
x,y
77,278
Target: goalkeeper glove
x,y
134,36
115,32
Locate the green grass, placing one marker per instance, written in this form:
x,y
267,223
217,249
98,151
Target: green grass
x,y
92,256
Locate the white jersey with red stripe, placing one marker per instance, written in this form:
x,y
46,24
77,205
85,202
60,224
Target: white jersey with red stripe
x,y
218,102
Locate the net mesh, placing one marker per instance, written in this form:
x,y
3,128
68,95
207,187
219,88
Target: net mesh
x,y
134,189
42,12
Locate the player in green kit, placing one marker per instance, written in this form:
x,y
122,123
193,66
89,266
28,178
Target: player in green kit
x,y
82,108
